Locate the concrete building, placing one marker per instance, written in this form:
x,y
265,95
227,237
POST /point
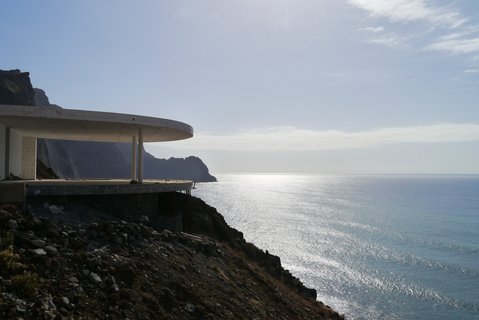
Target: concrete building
x,y
21,126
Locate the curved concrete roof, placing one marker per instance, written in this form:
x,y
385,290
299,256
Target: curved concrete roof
x,y
68,124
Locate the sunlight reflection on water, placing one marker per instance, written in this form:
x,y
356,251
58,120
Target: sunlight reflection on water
x,y
373,247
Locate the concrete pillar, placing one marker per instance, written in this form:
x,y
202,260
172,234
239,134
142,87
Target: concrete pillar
x,y
7,152
134,155
140,155
3,144
13,161
29,158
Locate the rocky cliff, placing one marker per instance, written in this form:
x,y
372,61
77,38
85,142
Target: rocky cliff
x,y
16,88
61,264
79,159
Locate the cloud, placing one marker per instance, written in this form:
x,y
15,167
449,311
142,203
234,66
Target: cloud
x,y
296,139
471,71
456,44
457,35
373,29
390,40
380,36
411,10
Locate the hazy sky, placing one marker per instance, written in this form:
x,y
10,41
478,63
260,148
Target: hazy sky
x,y
326,86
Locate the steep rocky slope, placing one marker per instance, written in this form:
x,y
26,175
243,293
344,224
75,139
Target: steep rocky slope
x,y
64,266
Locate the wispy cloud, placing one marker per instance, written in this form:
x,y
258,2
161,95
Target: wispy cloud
x,y
455,33
388,39
411,10
373,29
380,36
295,139
457,44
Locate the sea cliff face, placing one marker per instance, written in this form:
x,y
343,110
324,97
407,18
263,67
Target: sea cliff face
x,y
80,159
85,264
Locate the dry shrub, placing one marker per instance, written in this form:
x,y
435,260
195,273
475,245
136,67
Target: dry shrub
x,y
9,261
25,285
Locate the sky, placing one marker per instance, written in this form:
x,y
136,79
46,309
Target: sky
x,y
270,86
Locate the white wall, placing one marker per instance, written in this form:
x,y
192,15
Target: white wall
x,y
2,152
15,153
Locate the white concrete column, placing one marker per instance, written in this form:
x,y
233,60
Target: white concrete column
x,y
134,155
140,155
7,151
29,158
14,153
3,144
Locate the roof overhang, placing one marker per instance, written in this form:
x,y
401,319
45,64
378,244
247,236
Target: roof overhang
x,y
69,124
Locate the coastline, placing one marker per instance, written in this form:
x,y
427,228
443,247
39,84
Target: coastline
x,y
368,244
213,273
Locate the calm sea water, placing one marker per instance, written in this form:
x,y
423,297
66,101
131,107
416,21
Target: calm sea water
x,y
374,247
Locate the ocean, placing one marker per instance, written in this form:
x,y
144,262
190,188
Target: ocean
x,y
374,247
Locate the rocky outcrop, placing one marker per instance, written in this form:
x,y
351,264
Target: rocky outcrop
x,y
44,172
107,268
189,168
41,99
16,88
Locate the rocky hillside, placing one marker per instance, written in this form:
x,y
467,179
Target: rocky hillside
x,y
59,265
79,159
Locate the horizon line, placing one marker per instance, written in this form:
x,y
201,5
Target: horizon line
x,y
345,174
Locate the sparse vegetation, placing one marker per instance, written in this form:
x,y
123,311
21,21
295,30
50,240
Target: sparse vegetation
x,y
25,285
9,261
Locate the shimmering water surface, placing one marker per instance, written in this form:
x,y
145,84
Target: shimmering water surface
x,y
374,247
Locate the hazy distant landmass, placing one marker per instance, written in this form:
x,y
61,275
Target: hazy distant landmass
x,y
80,159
